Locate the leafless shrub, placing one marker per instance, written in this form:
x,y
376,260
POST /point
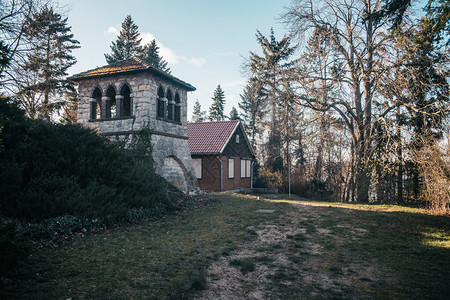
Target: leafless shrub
x,y
434,167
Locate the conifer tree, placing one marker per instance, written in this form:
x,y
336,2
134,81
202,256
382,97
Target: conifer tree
x,y
218,105
47,62
198,115
150,55
253,105
234,115
128,43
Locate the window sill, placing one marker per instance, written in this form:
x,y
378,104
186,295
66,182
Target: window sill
x,y
112,119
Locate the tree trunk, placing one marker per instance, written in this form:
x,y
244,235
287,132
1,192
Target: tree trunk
x,y
399,161
362,178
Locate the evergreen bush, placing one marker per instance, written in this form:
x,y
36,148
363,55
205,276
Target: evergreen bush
x,y
49,170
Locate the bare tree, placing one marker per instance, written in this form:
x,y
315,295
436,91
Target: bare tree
x,y
357,39
434,168
13,14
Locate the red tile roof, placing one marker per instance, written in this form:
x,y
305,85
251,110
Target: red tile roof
x,y
210,137
128,66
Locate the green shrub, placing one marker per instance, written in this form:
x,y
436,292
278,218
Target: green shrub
x,y
49,170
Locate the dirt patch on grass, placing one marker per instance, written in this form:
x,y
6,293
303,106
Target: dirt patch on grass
x,y
305,253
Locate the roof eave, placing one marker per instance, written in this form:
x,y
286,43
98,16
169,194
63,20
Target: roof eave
x,y
205,153
229,137
155,71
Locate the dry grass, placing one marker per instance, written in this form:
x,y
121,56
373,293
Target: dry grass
x,y
302,250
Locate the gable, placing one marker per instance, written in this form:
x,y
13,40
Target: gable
x,y
238,145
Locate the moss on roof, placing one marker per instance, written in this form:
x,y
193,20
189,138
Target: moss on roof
x,y
128,66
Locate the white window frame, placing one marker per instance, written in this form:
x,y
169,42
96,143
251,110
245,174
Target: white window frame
x,y
248,168
231,169
242,168
197,163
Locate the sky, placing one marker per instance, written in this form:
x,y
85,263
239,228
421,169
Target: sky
x,y
205,42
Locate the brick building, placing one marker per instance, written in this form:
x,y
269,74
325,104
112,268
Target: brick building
x,y
120,99
222,155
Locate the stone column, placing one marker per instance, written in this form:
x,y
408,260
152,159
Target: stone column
x,y
106,109
119,105
164,102
93,108
178,112
171,110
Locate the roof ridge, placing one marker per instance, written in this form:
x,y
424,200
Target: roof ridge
x,y
223,121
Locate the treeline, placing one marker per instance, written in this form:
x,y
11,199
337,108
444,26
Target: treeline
x,y
216,110
353,104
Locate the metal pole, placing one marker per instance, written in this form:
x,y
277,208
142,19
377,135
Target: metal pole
x,y
289,176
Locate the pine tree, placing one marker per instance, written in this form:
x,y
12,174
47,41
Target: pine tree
x,y
273,68
253,105
47,62
128,43
150,55
234,115
218,105
198,115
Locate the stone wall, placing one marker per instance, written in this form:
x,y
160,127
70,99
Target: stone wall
x,y
169,139
144,104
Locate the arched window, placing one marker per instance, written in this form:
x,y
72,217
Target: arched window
x,y
96,104
171,106
177,108
125,105
161,103
110,102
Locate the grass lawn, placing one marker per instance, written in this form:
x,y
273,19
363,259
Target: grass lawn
x,y
333,251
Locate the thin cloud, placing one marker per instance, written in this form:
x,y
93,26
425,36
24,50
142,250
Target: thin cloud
x,y
169,55
112,31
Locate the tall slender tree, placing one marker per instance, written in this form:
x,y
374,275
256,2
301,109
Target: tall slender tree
x,y
218,105
128,43
273,70
198,115
273,67
47,62
150,55
234,115
253,105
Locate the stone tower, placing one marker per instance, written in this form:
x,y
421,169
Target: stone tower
x,y
120,99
